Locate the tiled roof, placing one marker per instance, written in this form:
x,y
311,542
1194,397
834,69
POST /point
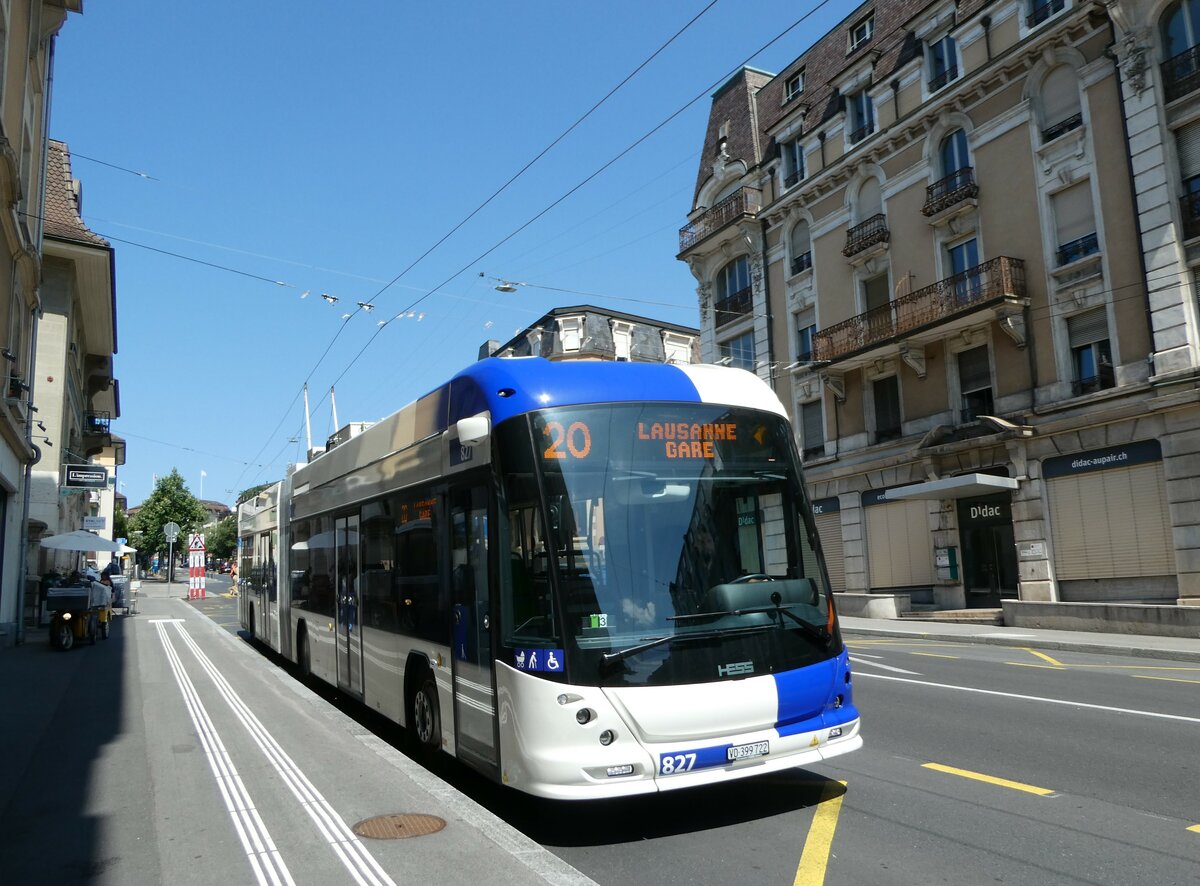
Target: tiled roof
x,y
892,46
62,204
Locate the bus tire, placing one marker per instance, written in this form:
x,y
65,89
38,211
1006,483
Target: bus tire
x,y
303,663
425,725
250,626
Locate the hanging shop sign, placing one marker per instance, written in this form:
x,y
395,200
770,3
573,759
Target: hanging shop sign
x,y
85,476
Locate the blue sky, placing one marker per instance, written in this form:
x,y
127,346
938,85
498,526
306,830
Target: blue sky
x,y
329,151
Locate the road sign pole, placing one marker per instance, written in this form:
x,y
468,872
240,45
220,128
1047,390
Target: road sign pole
x,y
170,564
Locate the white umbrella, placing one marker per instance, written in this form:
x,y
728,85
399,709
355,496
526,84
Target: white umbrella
x,y
79,540
126,549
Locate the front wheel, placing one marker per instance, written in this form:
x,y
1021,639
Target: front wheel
x,y
426,726
104,629
302,659
62,635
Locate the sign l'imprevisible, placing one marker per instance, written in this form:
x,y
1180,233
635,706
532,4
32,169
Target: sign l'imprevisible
x,y
85,476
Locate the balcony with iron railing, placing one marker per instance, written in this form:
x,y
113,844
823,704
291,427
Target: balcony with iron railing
x,y
1189,208
1089,244
1042,11
953,189
742,203
937,81
862,132
734,306
1062,127
931,311
1181,74
97,432
801,263
866,234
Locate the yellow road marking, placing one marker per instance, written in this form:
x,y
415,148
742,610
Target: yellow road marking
x,y
1025,664
933,655
815,857
1138,667
938,643
1195,829
1043,656
990,779
1168,679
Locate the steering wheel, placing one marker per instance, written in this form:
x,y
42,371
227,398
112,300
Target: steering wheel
x,y
753,576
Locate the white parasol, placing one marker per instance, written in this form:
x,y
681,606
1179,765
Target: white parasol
x,y
79,540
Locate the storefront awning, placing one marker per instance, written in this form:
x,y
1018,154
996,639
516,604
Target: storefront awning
x,y
966,486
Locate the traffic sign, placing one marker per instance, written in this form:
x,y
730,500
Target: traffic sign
x,y
171,531
196,543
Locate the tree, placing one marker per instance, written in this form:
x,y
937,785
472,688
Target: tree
x,y
220,539
121,525
247,494
170,502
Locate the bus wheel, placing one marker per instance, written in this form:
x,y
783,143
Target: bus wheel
x,y
425,726
302,660
250,622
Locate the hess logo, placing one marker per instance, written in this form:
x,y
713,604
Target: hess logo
x,y
735,669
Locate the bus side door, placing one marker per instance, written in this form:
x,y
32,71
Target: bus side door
x,y
471,643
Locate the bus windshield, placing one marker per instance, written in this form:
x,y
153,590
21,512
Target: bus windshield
x,y
661,543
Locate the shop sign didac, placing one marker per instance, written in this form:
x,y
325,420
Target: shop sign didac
x,y
984,511
85,476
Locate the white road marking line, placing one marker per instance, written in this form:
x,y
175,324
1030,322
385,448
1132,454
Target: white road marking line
x,y
875,664
864,655
1057,701
344,842
264,857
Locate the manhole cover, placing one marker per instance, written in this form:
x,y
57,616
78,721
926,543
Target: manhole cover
x,y
404,824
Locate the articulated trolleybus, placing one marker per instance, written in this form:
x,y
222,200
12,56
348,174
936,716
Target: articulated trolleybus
x,y
583,579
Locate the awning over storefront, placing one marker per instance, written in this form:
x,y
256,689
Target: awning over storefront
x,y
966,486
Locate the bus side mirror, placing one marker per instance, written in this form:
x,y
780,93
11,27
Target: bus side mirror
x,y
474,429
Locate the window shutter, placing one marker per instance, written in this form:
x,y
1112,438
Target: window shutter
x,y
829,528
1087,328
1060,96
899,546
1073,212
974,369
1187,141
813,424
800,239
870,200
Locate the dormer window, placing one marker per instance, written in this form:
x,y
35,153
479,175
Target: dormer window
x,y
861,33
794,85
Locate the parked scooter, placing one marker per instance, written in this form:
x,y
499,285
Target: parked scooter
x,y
78,613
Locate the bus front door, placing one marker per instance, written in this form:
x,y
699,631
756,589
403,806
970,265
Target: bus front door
x,y
474,690
349,631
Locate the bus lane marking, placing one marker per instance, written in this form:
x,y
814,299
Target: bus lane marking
x,y
875,664
1054,701
1195,829
935,655
355,857
989,779
1044,657
266,862
1167,679
815,857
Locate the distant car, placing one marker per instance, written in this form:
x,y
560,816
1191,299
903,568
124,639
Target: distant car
x,y
225,567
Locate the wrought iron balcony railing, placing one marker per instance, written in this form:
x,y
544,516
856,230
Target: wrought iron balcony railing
x,y
1189,208
731,307
791,179
744,202
1042,11
96,424
954,188
1077,249
867,233
998,278
801,263
862,132
939,80
1101,381
1181,74
1062,127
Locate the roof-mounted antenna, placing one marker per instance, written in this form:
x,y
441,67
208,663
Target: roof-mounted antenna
x,y
333,404
307,422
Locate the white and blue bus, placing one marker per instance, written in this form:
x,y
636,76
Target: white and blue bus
x,y
583,579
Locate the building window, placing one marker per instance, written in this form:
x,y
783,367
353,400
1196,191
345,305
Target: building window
x,y
1187,147
862,116
975,382
954,155
806,328
1060,103
1180,26
943,63
793,163
861,33
964,261
794,85
1075,223
739,352
877,304
1091,354
812,429
677,348
801,243
1040,10
622,334
885,394
734,298
569,333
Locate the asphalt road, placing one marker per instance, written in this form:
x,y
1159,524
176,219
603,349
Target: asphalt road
x,y
982,765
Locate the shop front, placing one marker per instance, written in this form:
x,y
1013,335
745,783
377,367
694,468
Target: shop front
x,y
989,550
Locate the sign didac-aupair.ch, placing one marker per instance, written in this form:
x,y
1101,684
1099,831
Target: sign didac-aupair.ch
x,y
85,476
1124,455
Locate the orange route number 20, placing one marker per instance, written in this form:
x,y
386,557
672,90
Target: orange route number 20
x,y
574,441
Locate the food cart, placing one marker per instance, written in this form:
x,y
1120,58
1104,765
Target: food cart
x,y
78,612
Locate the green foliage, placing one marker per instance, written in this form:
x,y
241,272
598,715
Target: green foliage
x,y
170,502
250,493
220,538
121,524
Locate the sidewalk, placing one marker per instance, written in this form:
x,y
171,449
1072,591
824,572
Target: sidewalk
x,y
103,778
1139,645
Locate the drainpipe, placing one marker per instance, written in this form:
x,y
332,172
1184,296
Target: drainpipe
x,y
821,139
986,24
896,98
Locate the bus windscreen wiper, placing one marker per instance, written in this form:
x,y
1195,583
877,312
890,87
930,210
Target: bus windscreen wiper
x,y
816,633
610,657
